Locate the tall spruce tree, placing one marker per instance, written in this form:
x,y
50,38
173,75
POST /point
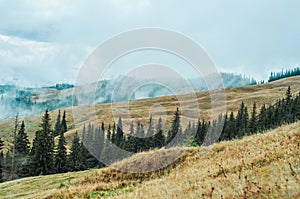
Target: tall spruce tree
x,y
22,150
159,138
21,141
64,123
60,160
253,121
120,134
57,127
43,148
76,157
131,144
175,127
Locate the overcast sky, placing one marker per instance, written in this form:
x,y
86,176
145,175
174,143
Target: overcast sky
x,y
46,41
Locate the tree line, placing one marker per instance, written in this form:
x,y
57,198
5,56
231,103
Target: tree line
x,y
45,157
284,74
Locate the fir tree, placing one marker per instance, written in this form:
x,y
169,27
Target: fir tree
x,y
159,138
64,123
22,151
253,121
120,134
57,127
42,149
175,127
131,144
76,157
60,163
21,142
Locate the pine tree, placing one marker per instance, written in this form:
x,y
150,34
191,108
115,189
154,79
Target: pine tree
x,y
64,123
242,121
174,128
21,142
253,120
187,135
198,137
42,149
98,142
262,119
159,138
288,95
120,134
90,147
57,127
230,130
22,150
60,163
76,157
131,144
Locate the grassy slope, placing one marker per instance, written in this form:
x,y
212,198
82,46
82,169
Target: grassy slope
x,y
259,166
267,93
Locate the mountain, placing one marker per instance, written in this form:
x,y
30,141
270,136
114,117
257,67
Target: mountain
x,y
28,101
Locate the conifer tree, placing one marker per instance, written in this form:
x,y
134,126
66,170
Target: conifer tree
x,y
159,138
187,135
60,161
131,144
262,119
198,137
42,149
22,150
175,127
76,157
253,120
57,127
21,142
120,134
64,123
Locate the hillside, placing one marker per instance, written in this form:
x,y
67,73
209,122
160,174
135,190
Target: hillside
x,y
28,101
140,110
258,166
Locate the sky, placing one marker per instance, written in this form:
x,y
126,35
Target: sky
x,y
46,42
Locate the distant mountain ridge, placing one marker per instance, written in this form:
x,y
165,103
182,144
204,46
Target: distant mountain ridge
x,y
26,101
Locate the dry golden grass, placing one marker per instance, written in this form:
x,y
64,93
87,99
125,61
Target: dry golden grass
x,y
140,110
259,166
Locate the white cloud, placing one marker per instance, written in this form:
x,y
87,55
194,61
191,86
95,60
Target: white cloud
x,y
38,63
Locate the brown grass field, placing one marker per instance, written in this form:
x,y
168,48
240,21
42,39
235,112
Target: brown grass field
x,y
259,166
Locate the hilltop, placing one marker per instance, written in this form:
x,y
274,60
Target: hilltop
x,y
259,166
